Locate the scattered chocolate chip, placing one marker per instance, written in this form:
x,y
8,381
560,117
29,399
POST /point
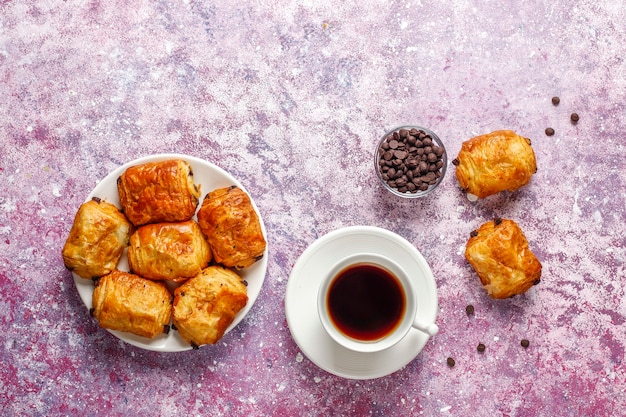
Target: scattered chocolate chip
x,y
549,131
166,329
173,326
96,199
244,282
194,346
91,311
474,233
537,281
525,343
497,221
574,117
556,101
480,348
450,362
469,310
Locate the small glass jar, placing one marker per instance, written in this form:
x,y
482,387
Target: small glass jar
x,y
410,161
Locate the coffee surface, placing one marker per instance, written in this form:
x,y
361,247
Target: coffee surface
x,y
365,302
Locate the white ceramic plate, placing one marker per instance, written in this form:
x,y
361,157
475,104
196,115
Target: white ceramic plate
x,y
301,301
209,177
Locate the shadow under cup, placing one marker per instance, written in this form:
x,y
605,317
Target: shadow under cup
x,y
367,303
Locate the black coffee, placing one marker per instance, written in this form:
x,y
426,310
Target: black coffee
x,y
365,302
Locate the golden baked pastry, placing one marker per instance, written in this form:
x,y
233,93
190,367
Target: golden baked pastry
x,y
158,192
207,304
499,253
494,162
232,227
168,251
126,302
96,240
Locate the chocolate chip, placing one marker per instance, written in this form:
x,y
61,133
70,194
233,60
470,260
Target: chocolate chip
x,y
497,221
455,162
96,199
402,158
549,131
92,311
474,233
194,345
537,281
574,117
469,310
525,343
450,362
166,329
556,101
480,348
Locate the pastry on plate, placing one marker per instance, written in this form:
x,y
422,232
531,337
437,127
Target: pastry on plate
x,y
232,227
207,304
158,192
499,253
128,303
97,239
168,251
494,162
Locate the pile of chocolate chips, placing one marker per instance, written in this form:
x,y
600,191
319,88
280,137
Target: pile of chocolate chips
x,y
410,160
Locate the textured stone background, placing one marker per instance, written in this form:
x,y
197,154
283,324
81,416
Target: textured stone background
x,y
290,97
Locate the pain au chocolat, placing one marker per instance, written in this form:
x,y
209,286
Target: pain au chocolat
x,y
494,162
499,253
232,227
97,239
161,191
129,303
205,305
168,251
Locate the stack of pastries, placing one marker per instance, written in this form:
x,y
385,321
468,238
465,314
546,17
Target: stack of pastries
x,y
183,272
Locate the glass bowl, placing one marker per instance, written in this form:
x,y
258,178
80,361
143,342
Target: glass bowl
x,y
410,161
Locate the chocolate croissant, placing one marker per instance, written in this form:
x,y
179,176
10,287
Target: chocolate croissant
x,y
499,253
128,303
232,227
494,162
168,251
158,192
207,304
97,239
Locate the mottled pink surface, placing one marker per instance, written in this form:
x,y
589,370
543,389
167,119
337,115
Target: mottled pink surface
x,y
290,97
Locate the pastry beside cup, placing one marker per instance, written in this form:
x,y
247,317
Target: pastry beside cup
x,y
232,227
500,254
205,305
495,162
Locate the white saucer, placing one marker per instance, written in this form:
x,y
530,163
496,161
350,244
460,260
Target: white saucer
x,y
301,301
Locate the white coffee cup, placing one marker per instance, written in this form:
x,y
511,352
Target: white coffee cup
x,y
367,303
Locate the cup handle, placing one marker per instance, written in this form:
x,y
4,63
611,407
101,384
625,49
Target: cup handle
x,y
429,328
